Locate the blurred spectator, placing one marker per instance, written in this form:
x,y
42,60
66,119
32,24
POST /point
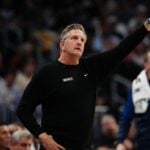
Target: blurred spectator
x,y
140,14
109,129
1,65
24,76
137,109
45,42
22,140
15,126
8,97
102,107
5,137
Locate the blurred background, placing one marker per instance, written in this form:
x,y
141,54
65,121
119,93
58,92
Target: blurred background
x,y
29,35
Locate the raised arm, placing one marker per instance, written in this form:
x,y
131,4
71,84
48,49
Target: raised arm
x,y
105,63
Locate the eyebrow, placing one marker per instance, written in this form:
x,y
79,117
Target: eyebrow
x,y
85,39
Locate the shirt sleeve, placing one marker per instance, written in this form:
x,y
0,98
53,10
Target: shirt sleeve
x,y
30,100
126,119
103,64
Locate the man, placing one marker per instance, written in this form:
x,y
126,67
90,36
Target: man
x,y
109,129
21,140
5,137
66,89
137,106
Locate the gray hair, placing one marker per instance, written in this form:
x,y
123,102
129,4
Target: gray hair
x,y
70,27
17,135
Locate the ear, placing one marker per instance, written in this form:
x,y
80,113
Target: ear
x,y
61,44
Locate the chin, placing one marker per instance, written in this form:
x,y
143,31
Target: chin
x,y
78,54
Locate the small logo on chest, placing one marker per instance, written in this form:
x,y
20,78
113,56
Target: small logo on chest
x,y
67,79
86,74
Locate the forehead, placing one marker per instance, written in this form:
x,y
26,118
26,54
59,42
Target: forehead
x,y
76,32
26,139
4,128
107,119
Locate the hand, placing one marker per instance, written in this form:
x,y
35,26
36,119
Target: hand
x,y
147,24
49,143
120,147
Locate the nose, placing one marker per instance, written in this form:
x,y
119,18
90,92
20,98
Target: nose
x,y
28,147
79,42
8,135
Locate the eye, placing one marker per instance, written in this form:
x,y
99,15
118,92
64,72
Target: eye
x,y
82,39
74,37
25,144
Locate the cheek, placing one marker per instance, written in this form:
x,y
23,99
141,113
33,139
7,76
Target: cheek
x,y
18,147
83,47
66,46
147,67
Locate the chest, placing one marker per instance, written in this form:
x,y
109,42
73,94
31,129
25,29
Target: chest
x,y
69,82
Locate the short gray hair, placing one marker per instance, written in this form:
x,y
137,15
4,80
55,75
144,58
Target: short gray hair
x,y
17,135
70,27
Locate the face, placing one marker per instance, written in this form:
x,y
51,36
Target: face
x,y
147,66
108,125
24,144
10,78
73,44
5,136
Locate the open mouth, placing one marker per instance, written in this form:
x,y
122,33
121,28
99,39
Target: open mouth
x,y
78,49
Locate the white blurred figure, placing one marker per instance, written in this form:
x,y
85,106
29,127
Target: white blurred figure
x,y
22,140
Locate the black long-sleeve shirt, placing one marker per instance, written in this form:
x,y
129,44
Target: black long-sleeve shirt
x,y
67,94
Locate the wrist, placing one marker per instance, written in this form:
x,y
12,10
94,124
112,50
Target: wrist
x,y
44,136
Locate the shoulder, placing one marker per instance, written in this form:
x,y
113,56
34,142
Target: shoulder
x,y
45,70
88,58
139,77
47,67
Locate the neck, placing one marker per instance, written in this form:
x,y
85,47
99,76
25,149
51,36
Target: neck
x,y
69,60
